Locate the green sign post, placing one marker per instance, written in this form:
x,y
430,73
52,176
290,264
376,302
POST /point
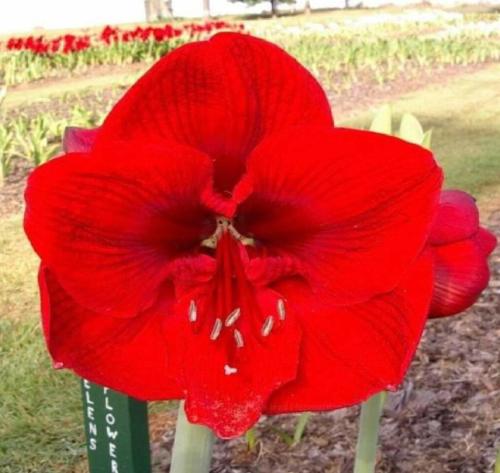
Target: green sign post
x,y
116,427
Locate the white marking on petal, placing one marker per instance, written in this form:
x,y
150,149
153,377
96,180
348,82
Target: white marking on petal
x,y
229,370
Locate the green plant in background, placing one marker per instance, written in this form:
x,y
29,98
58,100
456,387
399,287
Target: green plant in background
x,y
6,146
410,128
3,93
38,138
34,139
300,427
382,52
251,440
6,140
81,116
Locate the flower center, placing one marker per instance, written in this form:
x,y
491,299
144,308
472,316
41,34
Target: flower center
x,y
233,311
225,224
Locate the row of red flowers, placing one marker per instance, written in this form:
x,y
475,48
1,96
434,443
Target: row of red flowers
x,y
71,43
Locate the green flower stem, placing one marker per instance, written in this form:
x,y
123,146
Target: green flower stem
x,y
497,463
366,449
192,450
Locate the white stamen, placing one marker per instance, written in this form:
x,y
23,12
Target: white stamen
x,y
238,338
216,329
280,306
233,317
192,312
267,326
229,370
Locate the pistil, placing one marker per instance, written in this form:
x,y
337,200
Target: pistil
x,y
225,224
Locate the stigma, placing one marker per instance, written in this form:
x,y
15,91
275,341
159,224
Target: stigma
x,y
225,224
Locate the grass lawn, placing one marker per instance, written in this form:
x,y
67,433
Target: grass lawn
x,y
465,122
41,427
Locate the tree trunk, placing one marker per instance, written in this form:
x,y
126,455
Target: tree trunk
x,y
169,11
158,10
274,8
307,7
149,10
162,9
206,9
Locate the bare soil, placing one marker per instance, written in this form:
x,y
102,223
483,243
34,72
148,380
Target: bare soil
x,y
445,419
12,191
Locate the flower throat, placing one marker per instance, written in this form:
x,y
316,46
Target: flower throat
x,y
235,312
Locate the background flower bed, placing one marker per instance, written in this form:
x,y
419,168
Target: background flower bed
x,y
30,58
455,381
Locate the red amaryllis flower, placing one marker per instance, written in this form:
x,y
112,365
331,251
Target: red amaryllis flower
x,y
460,248
221,242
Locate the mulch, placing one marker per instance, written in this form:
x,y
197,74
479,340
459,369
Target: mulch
x,y
444,419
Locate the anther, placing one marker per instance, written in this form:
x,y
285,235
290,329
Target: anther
x,y
238,338
280,306
267,326
216,329
232,317
192,312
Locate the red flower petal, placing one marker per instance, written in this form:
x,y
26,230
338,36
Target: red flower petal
x,y
108,224
79,140
128,355
222,96
349,353
231,403
486,240
461,274
353,207
457,218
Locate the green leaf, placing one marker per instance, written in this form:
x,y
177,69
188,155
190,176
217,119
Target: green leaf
x,y
287,438
382,122
3,93
300,427
426,142
251,439
411,130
